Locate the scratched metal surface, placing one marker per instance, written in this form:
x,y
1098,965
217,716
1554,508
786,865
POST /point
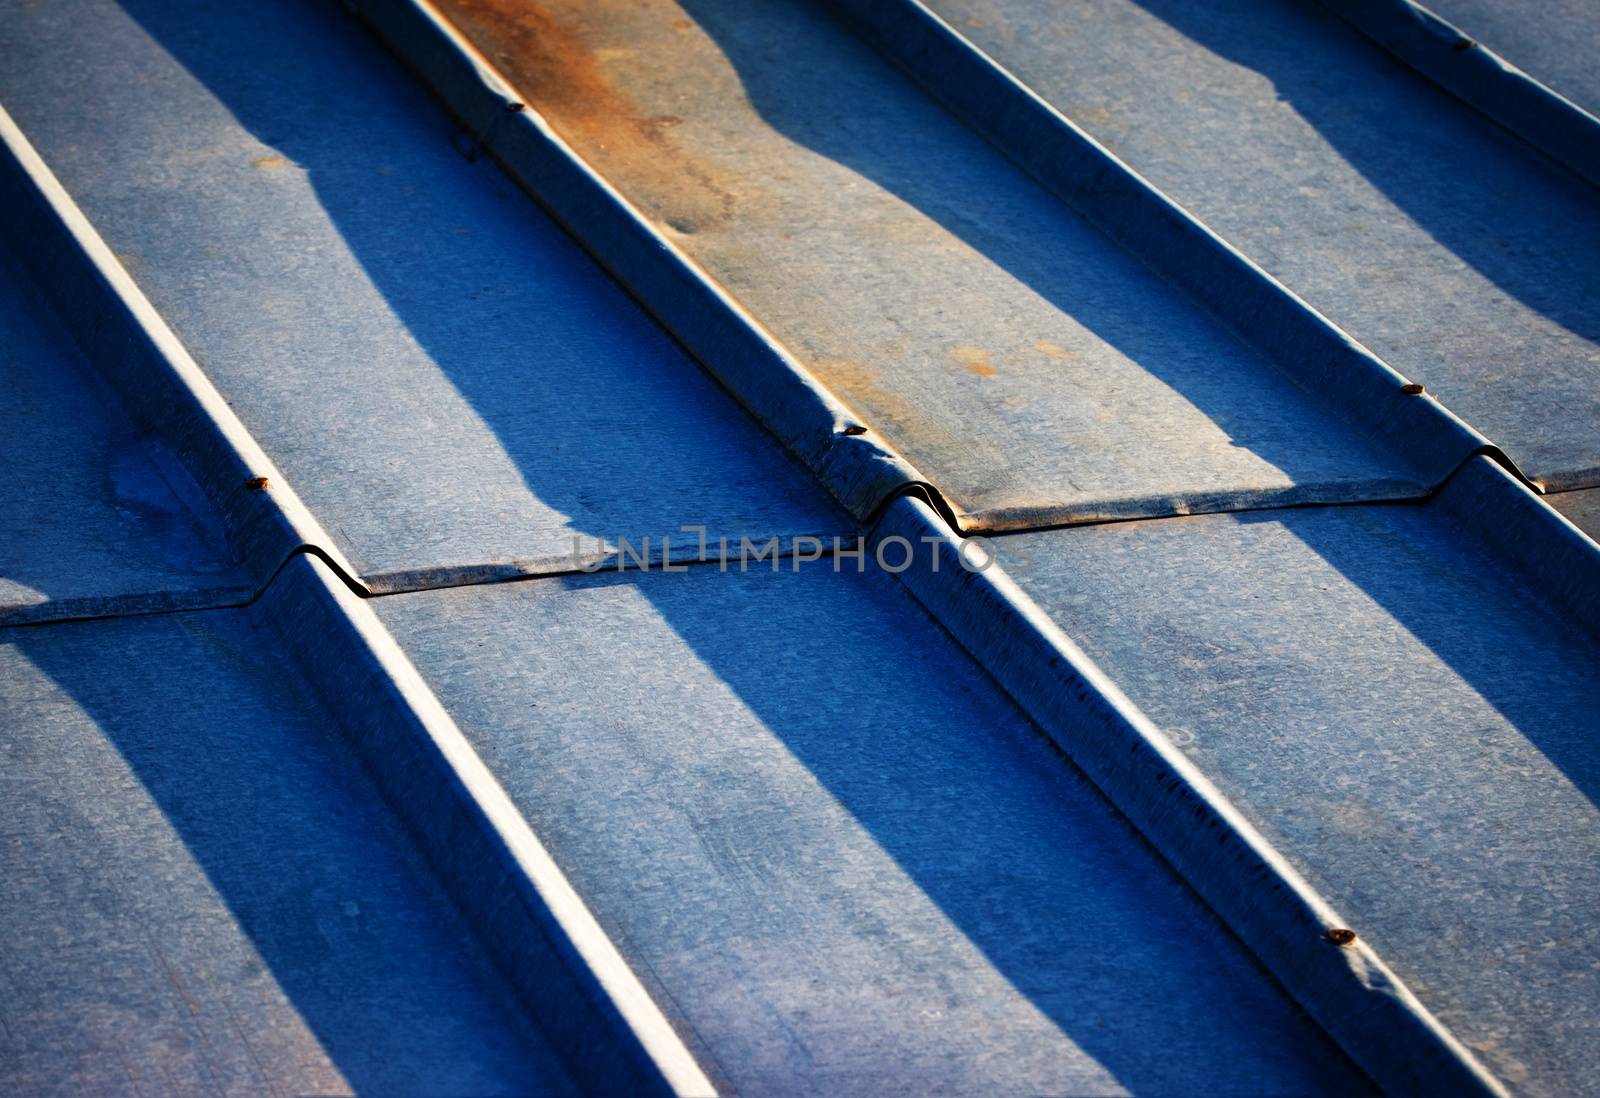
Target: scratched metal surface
x,y
204,895
843,861
451,385
1434,237
96,520
1010,352
1554,41
1403,714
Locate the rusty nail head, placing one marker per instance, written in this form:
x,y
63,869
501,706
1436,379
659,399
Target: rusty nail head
x,y
1339,936
514,107
1412,388
853,429
256,484
1464,43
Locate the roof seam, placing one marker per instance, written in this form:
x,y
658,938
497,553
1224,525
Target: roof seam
x,y
1344,985
1338,371
568,973
161,387
1447,56
860,470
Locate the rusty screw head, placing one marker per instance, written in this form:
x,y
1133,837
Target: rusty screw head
x,y
256,484
515,107
1412,388
852,429
1339,936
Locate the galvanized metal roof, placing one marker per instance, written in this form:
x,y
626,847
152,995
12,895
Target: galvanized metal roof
x,y
414,345
1454,252
204,893
1553,42
1282,782
1342,674
94,518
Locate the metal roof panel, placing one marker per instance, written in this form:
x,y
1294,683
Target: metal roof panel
x,y
1030,369
840,857
453,387
767,827
203,893
1554,41
1401,711
1429,234
95,518
1582,508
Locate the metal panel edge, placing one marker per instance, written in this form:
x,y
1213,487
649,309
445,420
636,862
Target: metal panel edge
x,y
569,975
161,387
139,604
858,469
589,554
1346,988
1557,561
1339,371
1480,78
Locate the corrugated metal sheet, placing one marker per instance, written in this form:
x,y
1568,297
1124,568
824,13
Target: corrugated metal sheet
x,y
1286,785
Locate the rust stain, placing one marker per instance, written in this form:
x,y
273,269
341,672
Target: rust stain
x,y
975,360
898,418
563,58
270,161
1052,350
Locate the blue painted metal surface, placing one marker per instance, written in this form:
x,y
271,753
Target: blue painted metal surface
x,y
1443,244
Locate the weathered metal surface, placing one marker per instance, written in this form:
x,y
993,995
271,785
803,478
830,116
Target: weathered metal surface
x,y
170,404
840,858
1555,41
1291,927
775,831
453,386
1473,72
1404,706
611,1036
1320,357
1454,252
1027,367
203,894
94,519
1581,508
